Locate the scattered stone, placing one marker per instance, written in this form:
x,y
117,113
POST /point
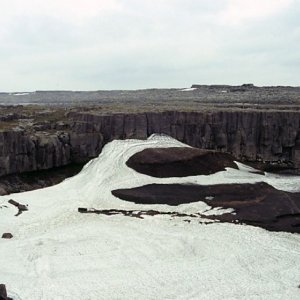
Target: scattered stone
x,y
138,213
82,210
7,235
21,207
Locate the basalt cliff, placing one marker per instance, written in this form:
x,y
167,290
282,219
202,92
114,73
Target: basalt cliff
x,y
269,137
266,136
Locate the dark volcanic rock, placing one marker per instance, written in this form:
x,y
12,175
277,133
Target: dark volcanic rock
x,y
21,151
7,235
3,293
265,136
140,213
179,162
28,181
258,124
21,207
255,204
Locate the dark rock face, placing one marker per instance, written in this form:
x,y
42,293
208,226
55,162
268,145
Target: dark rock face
x,y
251,136
267,136
21,151
28,181
254,204
172,194
179,162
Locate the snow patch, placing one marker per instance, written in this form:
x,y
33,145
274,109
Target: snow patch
x,y
20,94
188,89
58,253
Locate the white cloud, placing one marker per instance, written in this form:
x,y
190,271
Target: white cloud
x,y
98,44
238,11
70,9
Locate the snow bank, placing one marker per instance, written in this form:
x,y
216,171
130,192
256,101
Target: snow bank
x,y
57,253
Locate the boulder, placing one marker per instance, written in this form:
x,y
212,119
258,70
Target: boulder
x,y
7,235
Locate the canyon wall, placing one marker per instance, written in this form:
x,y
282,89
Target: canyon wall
x,y
266,136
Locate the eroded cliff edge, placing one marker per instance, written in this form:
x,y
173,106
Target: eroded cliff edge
x,y
255,136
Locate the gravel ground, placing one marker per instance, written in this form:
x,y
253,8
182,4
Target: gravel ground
x,y
217,95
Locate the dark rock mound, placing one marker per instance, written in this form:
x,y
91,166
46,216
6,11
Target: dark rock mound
x,y
255,204
179,162
7,235
170,194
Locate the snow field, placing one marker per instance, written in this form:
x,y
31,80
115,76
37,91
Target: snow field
x,y
58,253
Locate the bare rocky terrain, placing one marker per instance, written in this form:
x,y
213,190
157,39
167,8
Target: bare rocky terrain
x,y
46,130
255,204
179,162
258,204
204,94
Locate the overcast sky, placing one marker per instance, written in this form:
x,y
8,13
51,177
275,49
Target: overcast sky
x,y
130,44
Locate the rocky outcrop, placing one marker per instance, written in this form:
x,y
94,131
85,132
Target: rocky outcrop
x,y
251,136
255,204
21,151
266,136
179,162
28,181
21,207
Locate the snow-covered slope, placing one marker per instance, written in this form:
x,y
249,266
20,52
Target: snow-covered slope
x,y
58,253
